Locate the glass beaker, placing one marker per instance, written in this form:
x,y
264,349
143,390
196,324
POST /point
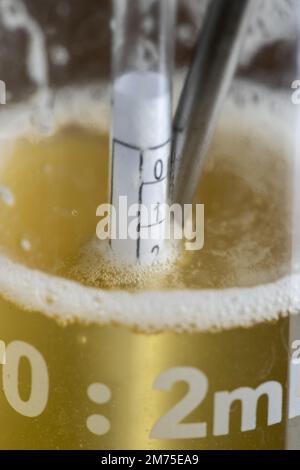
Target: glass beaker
x,y
201,354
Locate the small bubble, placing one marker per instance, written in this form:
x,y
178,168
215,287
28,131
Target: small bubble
x,y
59,55
7,196
47,169
148,25
74,213
82,339
25,244
186,34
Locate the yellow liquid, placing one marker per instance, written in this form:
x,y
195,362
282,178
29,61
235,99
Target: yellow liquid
x,y
59,182
57,185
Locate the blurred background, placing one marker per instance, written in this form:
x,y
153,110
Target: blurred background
x,y
74,32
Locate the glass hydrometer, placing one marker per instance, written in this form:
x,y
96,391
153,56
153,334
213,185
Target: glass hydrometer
x,y
141,126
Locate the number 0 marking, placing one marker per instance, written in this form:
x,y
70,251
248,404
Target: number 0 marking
x,y
170,426
37,401
158,169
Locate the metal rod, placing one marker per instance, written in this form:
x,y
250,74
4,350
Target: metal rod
x,y
206,86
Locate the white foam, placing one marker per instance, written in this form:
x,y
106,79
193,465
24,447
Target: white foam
x,y
85,107
182,310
